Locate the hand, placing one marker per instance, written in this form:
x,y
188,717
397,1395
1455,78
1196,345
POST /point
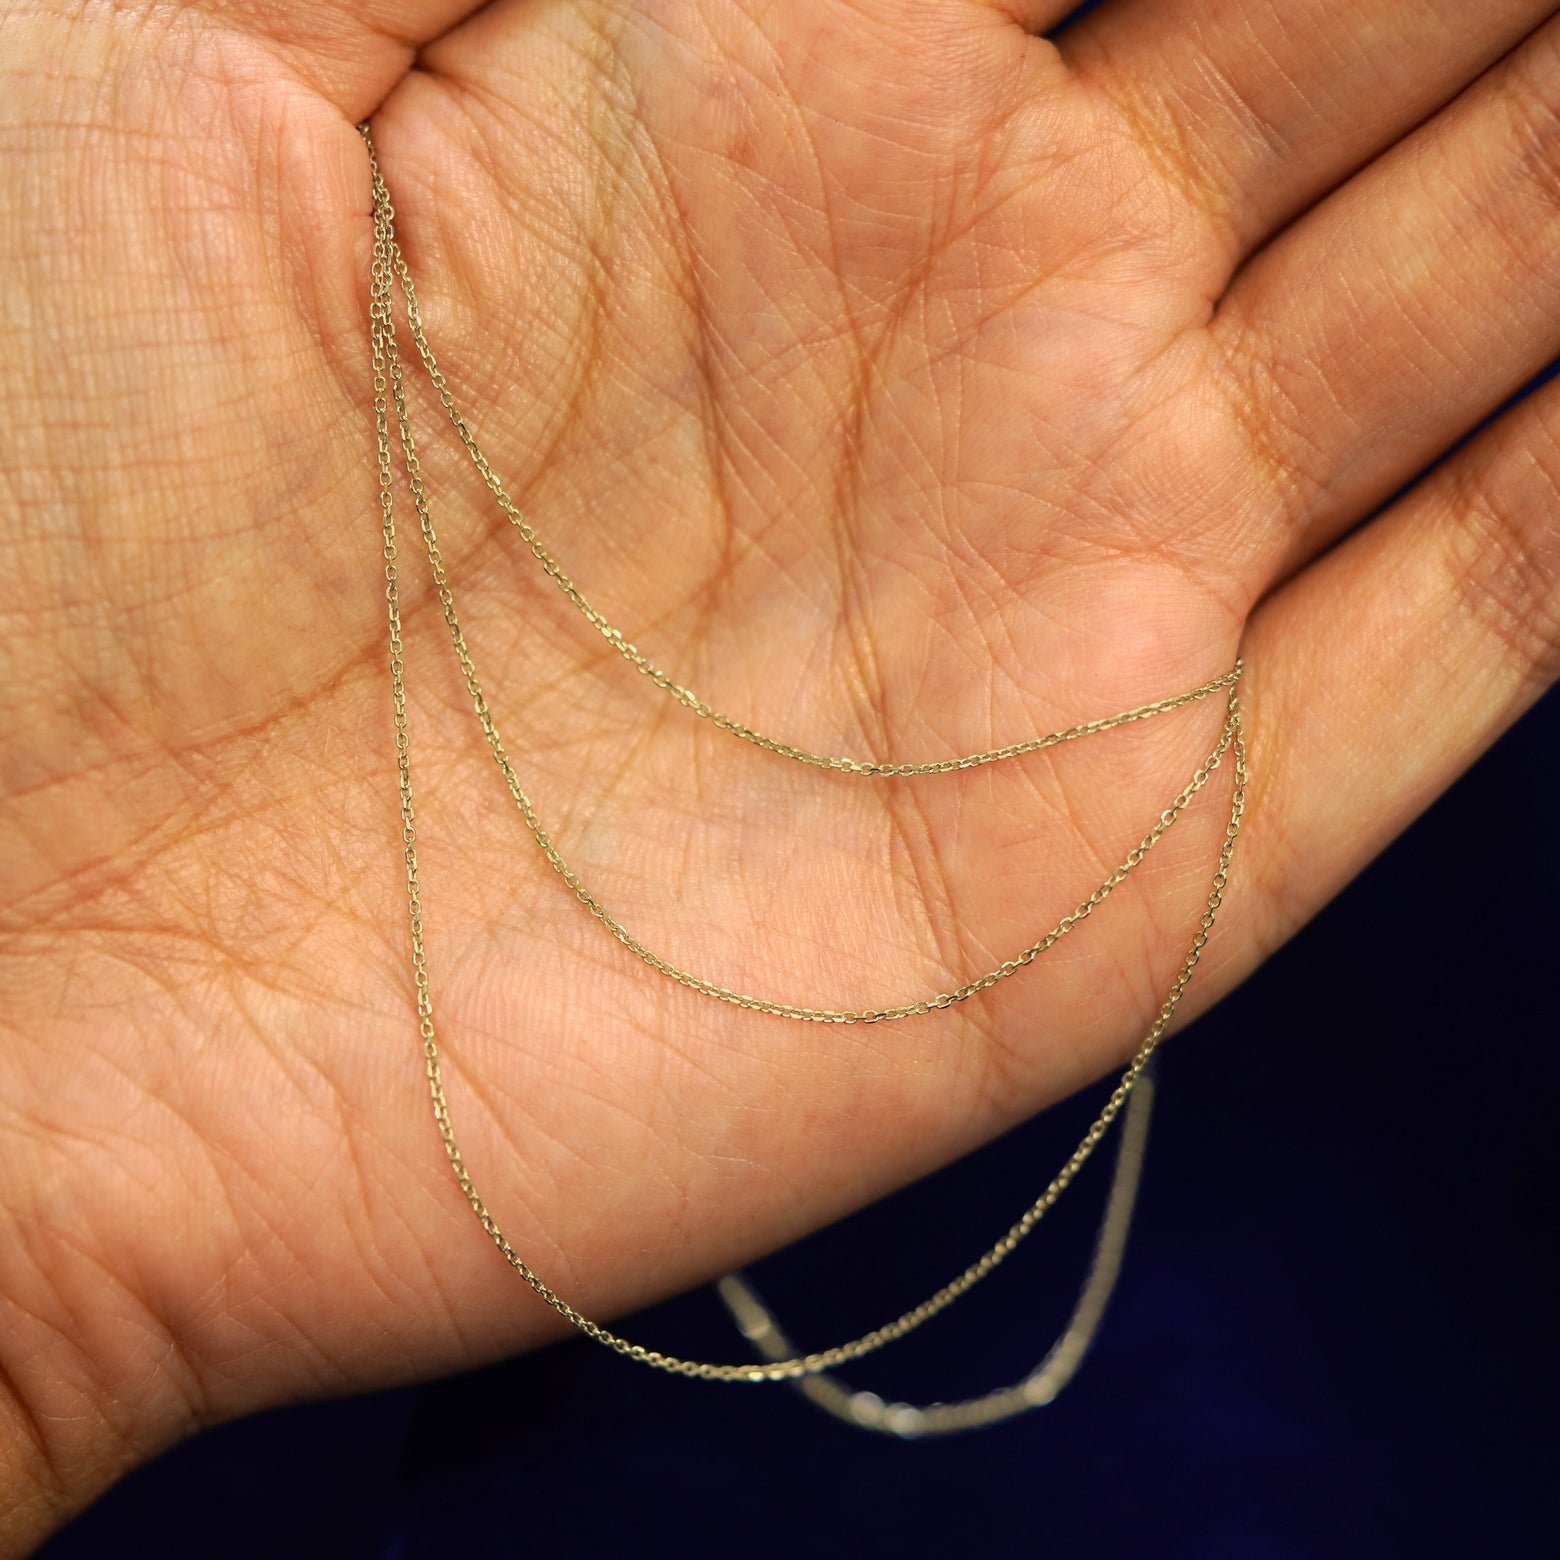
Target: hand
x,y
900,381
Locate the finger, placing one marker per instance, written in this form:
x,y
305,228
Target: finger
x,y
1380,673
1259,109
1411,304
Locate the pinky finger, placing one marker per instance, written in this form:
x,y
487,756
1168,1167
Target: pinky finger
x,y
1382,671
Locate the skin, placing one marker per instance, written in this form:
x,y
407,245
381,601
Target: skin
x,y
903,382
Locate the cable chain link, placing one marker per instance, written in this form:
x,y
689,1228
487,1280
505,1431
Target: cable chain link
x,y
388,389
685,696
909,1421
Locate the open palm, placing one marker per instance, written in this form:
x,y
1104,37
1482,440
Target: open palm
x,y
905,384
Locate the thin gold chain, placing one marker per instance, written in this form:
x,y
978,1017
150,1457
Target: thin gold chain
x,y
543,839
910,1421
685,696
386,387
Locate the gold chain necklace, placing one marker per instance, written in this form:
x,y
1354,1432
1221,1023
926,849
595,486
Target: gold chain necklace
x,y
1131,1094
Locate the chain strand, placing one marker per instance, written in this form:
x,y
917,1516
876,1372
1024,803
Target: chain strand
x,y
572,880
386,390
685,696
909,1421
